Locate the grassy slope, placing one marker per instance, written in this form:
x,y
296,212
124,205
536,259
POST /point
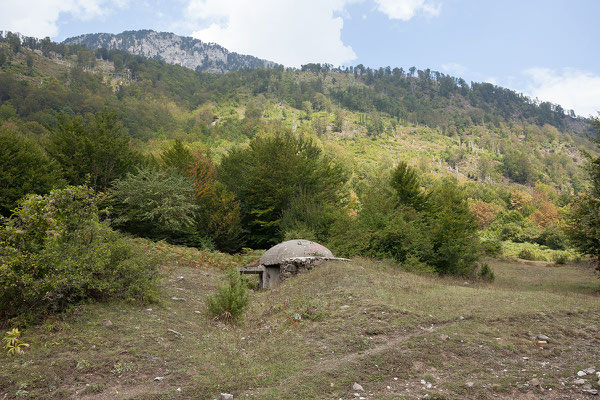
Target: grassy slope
x,y
362,321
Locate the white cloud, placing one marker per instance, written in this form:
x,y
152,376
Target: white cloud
x,y
287,32
454,68
571,88
39,18
407,9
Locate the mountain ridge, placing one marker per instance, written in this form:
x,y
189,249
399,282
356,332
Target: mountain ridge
x,y
173,49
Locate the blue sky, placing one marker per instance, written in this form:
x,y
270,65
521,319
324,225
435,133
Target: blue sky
x,y
546,49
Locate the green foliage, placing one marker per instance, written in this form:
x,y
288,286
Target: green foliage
x,y
219,218
154,203
485,273
97,151
491,246
453,230
517,166
13,343
407,185
554,237
24,169
231,300
585,215
54,252
268,175
527,254
178,157
308,219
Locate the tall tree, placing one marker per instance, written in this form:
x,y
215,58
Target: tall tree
x,y
273,170
96,151
585,216
24,169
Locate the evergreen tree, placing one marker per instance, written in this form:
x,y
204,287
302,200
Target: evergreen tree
x,y
97,150
24,169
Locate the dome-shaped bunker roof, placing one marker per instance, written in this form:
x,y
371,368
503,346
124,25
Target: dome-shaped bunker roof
x,y
294,248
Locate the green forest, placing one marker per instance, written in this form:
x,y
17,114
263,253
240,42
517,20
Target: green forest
x,y
100,147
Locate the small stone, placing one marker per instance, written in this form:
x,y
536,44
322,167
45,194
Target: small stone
x,y
579,381
423,382
107,323
159,378
356,395
543,337
177,299
589,371
469,384
357,387
591,391
525,358
444,337
428,386
388,387
541,342
345,306
180,278
534,382
226,396
395,379
179,389
587,386
581,373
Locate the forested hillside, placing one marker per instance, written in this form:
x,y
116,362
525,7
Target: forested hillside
x,y
339,134
172,49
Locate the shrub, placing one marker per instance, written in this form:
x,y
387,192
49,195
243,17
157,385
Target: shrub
x,y
561,258
154,203
554,237
13,343
231,300
54,252
527,254
491,247
486,273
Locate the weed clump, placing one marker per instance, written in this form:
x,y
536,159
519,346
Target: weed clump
x,y
231,300
13,343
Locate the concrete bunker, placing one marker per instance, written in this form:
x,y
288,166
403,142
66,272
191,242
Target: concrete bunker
x,y
286,259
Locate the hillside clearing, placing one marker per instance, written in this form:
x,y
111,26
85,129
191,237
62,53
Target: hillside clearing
x,y
363,321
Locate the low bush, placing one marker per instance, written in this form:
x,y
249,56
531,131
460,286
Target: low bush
x,y
554,237
561,258
485,273
491,247
527,254
54,252
231,300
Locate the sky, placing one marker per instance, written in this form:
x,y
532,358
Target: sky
x,y
546,49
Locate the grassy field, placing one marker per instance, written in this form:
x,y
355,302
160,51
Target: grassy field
x,y
400,335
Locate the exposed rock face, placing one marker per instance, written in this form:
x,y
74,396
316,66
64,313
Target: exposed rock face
x,y
173,49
